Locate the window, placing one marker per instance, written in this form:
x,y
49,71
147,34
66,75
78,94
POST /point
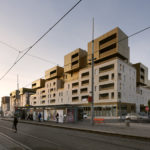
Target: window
x,y
123,68
95,88
119,95
119,76
112,76
120,67
112,95
142,70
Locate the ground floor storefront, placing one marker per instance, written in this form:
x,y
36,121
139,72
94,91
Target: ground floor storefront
x,y
73,113
110,109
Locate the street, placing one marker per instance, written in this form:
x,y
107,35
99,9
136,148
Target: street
x,y
35,137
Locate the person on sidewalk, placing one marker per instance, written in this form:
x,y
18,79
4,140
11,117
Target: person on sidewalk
x,y
15,122
39,116
57,117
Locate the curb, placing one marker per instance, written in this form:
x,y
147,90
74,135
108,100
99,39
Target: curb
x,y
88,130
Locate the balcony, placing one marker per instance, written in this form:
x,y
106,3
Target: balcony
x,y
106,87
75,59
52,101
108,39
74,99
103,78
74,92
53,73
103,96
85,74
75,66
84,90
106,68
43,96
85,82
76,84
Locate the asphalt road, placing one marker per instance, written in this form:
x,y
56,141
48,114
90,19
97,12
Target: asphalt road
x,y
33,137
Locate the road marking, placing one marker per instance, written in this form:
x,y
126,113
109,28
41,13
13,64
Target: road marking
x,y
24,147
29,135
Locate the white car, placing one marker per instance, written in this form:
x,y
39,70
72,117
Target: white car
x,y
133,116
85,115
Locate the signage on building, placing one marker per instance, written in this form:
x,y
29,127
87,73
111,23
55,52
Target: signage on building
x,y
70,115
89,99
147,108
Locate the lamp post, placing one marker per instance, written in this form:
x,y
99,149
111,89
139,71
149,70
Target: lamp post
x,y
92,77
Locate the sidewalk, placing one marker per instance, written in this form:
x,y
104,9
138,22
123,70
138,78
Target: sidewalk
x,y
136,130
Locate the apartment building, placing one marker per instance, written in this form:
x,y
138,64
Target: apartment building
x,y
119,86
5,105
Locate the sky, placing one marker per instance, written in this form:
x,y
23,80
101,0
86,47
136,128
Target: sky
x,y
22,22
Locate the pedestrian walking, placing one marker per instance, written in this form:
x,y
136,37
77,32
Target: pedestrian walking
x,y
57,117
39,116
15,122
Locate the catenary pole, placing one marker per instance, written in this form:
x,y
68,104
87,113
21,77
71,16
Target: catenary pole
x,y
92,77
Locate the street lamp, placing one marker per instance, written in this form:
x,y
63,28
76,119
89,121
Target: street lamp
x,y
92,78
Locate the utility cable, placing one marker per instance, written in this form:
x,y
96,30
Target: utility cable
x,y
37,41
37,57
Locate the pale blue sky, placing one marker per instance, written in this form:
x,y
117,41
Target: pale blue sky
x,y
24,21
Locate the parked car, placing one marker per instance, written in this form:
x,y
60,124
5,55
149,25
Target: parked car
x,y
133,116
143,115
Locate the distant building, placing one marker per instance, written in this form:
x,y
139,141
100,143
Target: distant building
x,y
20,98
5,105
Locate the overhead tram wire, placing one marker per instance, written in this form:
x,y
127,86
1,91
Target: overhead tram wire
x,y
37,41
37,57
142,30
8,45
10,67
